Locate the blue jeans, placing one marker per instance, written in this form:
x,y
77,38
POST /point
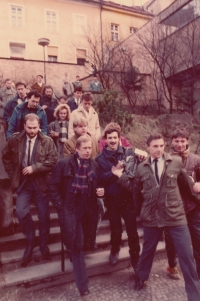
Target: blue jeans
x,y
182,243
193,218
28,193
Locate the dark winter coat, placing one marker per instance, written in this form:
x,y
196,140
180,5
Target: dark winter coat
x,y
45,158
59,189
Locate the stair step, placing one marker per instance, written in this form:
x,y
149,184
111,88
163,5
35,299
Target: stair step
x,y
51,271
11,259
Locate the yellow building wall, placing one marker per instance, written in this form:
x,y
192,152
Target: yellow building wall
x,y
65,37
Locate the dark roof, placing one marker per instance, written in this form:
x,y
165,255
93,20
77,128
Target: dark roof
x,y
134,9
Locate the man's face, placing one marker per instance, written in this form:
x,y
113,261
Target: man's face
x,y
63,114
179,144
86,104
77,78
33,102
39,79
156,148
21,91
31,128
95,79
78,94
85,150
112,141
8,84
80,129
48,93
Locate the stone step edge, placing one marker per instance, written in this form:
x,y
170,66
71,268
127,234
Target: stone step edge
x,y
53,269
55,248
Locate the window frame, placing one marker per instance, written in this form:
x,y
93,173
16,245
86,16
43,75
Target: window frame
x,y
57,20
114,31
25,49
79,33
10,14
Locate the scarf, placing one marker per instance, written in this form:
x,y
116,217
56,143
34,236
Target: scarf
x,y
183,154
84,174
63,131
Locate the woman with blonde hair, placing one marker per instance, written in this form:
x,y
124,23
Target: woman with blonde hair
x,y
58,129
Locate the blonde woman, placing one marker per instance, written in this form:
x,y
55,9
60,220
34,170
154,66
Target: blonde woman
x,y
58,129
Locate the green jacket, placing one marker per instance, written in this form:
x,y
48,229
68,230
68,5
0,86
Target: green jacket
x,y
161,204
45,158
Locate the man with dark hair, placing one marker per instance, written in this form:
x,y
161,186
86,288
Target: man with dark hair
x,y
86,111
18,99
38,85
119,202
48,103
16,123
77,83
28,158
180,147
162,208
74,190
74,102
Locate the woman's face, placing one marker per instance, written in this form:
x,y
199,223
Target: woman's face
x,y
62,114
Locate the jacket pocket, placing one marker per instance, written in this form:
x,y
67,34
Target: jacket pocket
x,y
174,208
148,210
146,182
171,180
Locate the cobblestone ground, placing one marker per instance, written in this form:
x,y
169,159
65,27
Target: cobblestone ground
x,y
117,286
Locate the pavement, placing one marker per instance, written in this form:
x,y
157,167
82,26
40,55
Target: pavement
x,y
115,286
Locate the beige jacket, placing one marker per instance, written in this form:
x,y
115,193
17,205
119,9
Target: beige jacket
x,y
92,118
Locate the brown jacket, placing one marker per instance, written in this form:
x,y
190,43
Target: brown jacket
x,y
37,87
44,160
70,146
162,204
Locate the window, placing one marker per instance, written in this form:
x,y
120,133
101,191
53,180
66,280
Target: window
x,y
52,58
16,16
133,30
80,24
51,20
17,50
81,56
114,32
52,53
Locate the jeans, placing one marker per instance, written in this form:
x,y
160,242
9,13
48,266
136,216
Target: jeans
x,y
193,218
78,260
28,192
182,243
125,209
170,249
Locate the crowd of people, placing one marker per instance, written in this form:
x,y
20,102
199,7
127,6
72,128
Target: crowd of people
x,y
55,151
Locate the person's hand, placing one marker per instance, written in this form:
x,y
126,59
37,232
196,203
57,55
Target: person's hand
x,y
44,107
196,187
100,192
27,170
120,165
116,171
141,158
54,134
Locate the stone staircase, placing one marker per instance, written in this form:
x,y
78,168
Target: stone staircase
x,y
40,272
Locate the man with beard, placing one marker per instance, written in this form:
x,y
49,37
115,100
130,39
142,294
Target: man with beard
x,y
119,201
16,123
28,159
18,99
48,103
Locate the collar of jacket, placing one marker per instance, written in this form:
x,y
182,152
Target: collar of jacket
x,y
81,109
183,154
70,169
21,135
107,153
167,158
